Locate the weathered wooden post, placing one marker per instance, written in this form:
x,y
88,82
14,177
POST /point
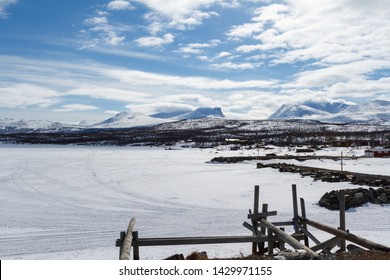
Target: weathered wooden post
x,y
263,229
303,212
135,246
288,239
342,217
348,236
295,207
126,247
254,223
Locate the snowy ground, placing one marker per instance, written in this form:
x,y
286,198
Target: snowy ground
x,y
65,202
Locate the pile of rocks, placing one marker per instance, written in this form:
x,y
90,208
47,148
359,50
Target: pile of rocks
x,y
355,197
333,176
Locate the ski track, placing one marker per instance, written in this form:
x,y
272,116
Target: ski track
x,y
65,202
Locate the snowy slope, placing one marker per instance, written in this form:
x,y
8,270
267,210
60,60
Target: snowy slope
x,y
127,119
203,112
377,110
66,202
11,125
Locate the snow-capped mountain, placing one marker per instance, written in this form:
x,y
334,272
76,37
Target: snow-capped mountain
x,y
168,115
127,119
377,110
11,125
200,113
309,109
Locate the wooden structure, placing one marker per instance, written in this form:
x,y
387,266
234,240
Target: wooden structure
x,y
266,236
377,152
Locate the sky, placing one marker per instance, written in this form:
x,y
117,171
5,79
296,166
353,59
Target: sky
x,y
88,60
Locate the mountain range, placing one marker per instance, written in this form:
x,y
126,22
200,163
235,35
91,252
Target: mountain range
x,y
377,111
374,111
120,120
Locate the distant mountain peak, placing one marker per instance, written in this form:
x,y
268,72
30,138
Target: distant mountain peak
x,y
377,110
199,113
202,112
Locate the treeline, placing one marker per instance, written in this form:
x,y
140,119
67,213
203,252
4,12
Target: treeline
x,y
203,136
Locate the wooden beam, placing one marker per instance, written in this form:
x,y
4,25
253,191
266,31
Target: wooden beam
x,y
288,239
327,245
348,236
303,212
168,241
343,244
125,254
295,205
257,216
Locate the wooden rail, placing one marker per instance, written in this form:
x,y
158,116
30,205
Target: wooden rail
x,y
169,241
126,245
348,236
263,231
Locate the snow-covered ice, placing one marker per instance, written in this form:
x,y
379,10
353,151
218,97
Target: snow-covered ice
x,y
71,202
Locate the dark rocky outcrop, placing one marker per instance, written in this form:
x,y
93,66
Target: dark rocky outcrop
x,y
355,197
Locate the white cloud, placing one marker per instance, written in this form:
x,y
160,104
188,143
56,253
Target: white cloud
x,y
198,48
4,4
101,31
96,20
160,106
76,107
155,41
182,15
120,5
222,55
235,66
23,95
147,80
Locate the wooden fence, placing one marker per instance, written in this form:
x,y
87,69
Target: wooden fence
x,y
266,236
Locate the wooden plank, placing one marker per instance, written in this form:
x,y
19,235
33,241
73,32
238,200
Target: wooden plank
x,y
263,229
168,241
290,240
308,234
135,246
281,224
125,254
295,205
270,242
303,212
255,212
348,236
343,244
248,226
327,245
256,200
258,216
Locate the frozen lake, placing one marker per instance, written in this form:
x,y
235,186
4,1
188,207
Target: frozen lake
x,y
67,202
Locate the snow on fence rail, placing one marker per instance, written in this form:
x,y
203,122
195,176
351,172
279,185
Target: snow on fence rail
x,y
263,232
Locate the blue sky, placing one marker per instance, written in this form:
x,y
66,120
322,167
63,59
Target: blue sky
x,y
87,60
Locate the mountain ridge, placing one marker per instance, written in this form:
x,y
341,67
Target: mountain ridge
x,y
376,110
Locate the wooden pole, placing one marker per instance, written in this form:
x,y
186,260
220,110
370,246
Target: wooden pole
x,y
255,211
125,254
303,211
343,245
348,236
263,229
256,200
290,240
135,246
295,206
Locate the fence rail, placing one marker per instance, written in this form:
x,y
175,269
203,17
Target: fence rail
x,y
263,231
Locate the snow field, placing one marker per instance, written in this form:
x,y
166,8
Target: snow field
x,y
71,202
